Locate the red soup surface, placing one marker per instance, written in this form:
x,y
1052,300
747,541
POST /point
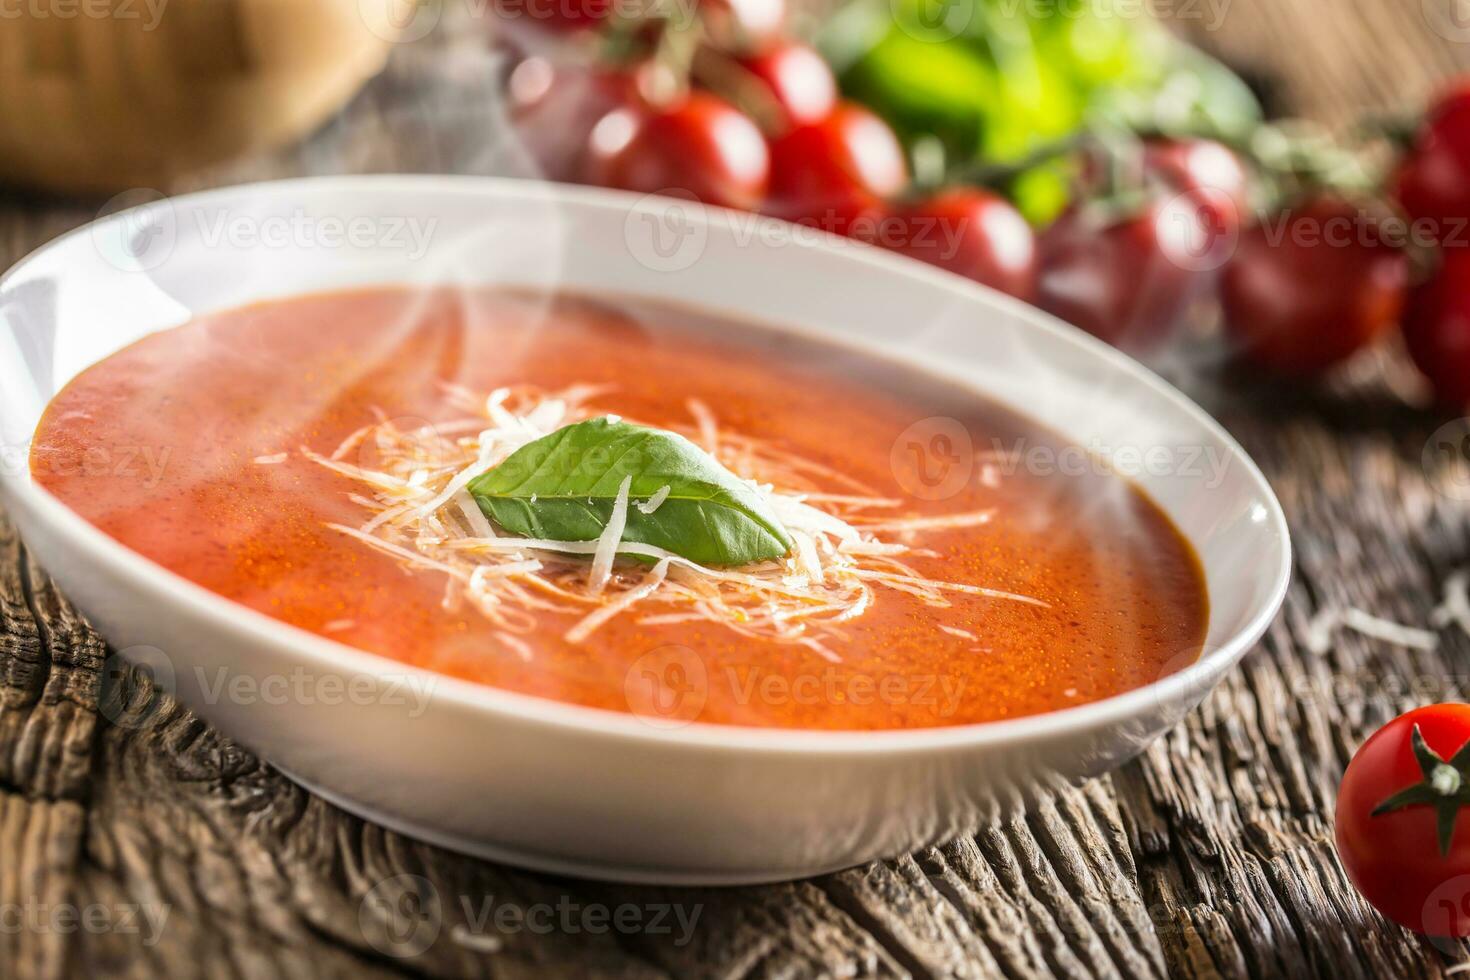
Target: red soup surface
x,y
212,417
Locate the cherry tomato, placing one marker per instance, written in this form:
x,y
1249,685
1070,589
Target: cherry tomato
x,y
743,25
701,145
799,81
830,174
1406,779
1129,281
1209,172
1311,286
1433,180
1437,328
972,233
554,107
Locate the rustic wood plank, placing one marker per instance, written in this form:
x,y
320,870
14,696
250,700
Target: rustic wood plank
x,y
1332,60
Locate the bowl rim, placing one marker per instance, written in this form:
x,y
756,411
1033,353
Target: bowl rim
x,y
324,654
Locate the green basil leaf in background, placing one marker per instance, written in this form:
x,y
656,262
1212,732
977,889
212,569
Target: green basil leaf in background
x,y
994,81
563,486
1042,192
926,89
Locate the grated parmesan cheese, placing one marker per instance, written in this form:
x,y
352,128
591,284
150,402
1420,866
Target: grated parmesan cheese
x,y
418,511
596,618
516,645
607,544
1322,627
1455,607
709,432
656,501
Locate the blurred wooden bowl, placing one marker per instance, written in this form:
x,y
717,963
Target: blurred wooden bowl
x,y
157,88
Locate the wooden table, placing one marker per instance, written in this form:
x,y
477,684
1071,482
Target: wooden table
x,y
1212,854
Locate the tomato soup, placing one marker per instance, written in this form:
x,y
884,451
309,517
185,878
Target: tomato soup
x,y
251,476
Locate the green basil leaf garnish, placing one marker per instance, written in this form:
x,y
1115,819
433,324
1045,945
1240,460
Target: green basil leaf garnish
x,y
562,487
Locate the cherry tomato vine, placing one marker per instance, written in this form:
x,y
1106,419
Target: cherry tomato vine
x,y
1306,248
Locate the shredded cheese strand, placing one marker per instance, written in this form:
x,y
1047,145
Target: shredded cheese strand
x,y
413,488
607,544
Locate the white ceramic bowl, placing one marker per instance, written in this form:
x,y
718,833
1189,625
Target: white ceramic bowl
x,y
555,786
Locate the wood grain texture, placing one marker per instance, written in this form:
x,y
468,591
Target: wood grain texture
x,y
1209,856
1333,60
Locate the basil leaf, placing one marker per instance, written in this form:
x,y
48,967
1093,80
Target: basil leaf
x,y
562,487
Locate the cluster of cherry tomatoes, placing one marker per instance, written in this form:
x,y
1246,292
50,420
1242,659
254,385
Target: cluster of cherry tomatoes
x,y
762,128
731,110
1328,273
1432,185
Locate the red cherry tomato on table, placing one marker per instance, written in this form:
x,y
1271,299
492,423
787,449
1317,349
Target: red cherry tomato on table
x,y
1437,328
1433,180
798,80
1129,282
701,145
1309,287
972,233
830,174
1402,833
